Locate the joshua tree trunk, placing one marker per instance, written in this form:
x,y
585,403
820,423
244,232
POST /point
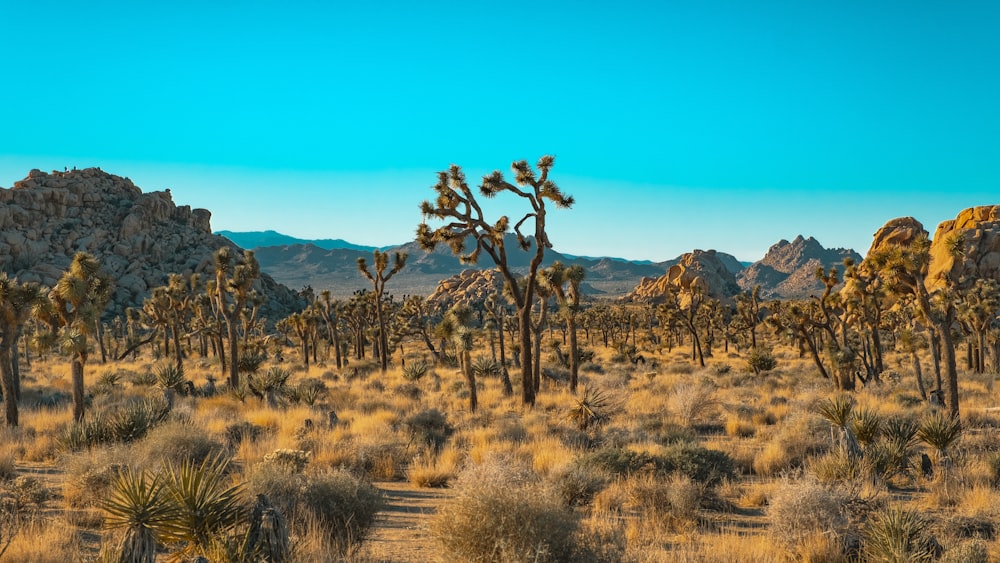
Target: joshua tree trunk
x,y
76,367
527,380
919,374
508,389
234,355
948,355
574,354
7,380
470,378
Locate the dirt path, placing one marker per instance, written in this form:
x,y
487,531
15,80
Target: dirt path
x,y
400,532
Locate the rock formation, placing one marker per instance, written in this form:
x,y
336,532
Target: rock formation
x,y
788,270
976,231
702,269
139,238
469,287
979,229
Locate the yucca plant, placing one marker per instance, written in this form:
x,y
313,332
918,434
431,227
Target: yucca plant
x,y
205,503
867,426
940,431
895,535
484,366
592,410
839,411
415,371
270,384
169,376
138,504
900,431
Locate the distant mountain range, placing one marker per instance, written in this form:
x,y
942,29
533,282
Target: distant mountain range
x,y
254,239
788,269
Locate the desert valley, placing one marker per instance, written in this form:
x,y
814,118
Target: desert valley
x,y
175,394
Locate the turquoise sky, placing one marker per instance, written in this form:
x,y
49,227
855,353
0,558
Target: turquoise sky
x,y
677,125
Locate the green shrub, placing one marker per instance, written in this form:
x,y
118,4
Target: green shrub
x,y
429,428
176,443
415,371
761,360
703,465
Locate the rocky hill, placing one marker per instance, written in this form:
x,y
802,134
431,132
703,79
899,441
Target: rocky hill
x,y
704,269
788,270
139,238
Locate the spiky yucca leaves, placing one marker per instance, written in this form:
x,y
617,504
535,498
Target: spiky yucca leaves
x,y
867,426
940,431
895,535
837,410
205,503
484,366
170,377
592,410
139,504
415,371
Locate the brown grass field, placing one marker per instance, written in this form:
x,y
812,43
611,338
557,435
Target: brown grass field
x,y
678,463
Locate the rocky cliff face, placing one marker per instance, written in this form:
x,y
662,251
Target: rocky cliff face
x,y
979,229
788,270
139,238
702,269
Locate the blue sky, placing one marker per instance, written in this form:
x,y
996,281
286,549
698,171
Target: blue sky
x,y
676,125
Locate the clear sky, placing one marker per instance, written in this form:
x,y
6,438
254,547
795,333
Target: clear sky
x,y
676,125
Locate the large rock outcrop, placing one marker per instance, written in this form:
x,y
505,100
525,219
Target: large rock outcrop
x,y
788,270
979,229
139,238
701,269
469,287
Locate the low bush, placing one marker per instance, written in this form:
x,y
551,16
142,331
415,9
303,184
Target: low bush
x,y
502,513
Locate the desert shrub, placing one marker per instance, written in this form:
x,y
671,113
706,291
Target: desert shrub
x,y
380,462
703,465
342,506
239,432
721,369
798,438
680,368
895,534
502,513
798,510
429,427
576,485
486,367
665,432
294,460
591,367
673,501
690,403
176,443
144,378
761,360
969,551
408,391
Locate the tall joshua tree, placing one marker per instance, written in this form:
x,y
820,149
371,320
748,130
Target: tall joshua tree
x,y
379,278
456,204
17,301
233,281
565,284
78,300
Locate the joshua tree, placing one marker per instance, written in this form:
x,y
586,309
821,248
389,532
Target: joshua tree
x,y
17,301
904,269
556,277
456,327
78,300
329,311
495,309
233,281
748,313
457,205
379,279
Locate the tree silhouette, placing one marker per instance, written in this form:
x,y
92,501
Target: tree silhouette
x,y
17,301
329,311
78,299
464,219
379,278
